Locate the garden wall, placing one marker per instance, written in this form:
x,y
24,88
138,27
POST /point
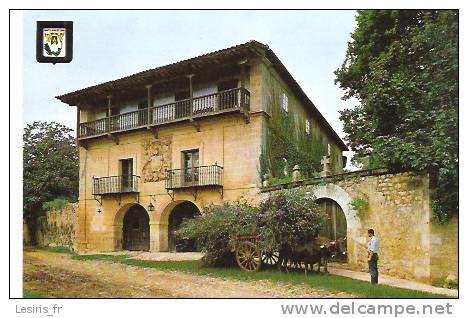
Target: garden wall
x,y
58,227
412,245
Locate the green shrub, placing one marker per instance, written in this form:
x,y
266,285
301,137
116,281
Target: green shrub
x,y
289,217
279,180
213,231
286,217
54,204
444,283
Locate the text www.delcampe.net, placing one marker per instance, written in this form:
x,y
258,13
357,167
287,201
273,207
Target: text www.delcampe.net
x,y
390,310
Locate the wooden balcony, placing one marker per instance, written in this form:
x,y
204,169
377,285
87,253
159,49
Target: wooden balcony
x,y
232,100
115,185
203,176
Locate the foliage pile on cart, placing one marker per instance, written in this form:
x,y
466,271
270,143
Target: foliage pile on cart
x,y
283,229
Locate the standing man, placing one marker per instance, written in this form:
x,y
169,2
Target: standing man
x,y
373,256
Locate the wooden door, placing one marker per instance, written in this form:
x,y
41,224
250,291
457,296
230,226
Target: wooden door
x,y
136,231
127,173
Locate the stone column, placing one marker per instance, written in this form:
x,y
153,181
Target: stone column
x,y
159,237
118,237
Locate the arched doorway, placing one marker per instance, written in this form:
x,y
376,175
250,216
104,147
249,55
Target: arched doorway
x,y
179,213
136,229
336,228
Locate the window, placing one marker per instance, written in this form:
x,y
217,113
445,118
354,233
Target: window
x,y
284,102
307,127
191,165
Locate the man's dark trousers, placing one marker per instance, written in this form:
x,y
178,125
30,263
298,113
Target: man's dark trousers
x,y
374,274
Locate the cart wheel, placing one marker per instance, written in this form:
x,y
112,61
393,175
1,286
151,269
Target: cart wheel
x,y
270,258
248,256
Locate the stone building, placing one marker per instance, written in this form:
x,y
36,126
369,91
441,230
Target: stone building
x,y
158,146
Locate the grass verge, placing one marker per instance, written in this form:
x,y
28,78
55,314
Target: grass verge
x,y
30,294
322,281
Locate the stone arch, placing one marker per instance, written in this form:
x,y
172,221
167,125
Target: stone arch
x,y
336,225
164,216
119,216
119,222
161,225
343,199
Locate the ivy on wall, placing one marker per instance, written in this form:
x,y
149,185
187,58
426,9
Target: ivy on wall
x,y
286,144
360,205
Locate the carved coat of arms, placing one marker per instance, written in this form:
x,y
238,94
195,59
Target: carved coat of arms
x,y
156,159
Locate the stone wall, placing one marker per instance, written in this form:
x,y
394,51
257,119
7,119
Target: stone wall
x,y
412,246
444,249
58,227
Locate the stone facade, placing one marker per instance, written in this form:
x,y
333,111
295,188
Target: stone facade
x,y
412,245
228,140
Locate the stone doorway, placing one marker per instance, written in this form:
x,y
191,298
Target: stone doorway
x,y
136,229
336,228
179,213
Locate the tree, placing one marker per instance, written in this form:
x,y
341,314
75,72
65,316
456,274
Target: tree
x,y
402,65
50,167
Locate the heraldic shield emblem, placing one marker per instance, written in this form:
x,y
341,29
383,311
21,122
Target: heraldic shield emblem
x,y
54,41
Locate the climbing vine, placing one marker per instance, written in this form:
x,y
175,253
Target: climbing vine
x,y
360,205
286,144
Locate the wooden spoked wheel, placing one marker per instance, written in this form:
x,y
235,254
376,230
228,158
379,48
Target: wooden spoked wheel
x,y
270,258
249,256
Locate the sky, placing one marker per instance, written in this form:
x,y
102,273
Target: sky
x,y
112,44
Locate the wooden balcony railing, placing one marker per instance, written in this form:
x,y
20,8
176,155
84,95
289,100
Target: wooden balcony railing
x,y
229,100
202,176
115,184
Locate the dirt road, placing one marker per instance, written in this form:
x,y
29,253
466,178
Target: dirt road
x,y
57,275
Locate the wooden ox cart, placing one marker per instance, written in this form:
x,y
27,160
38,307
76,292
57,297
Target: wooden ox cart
x,y
249,256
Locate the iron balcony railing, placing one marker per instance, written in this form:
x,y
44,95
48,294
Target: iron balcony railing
x,y
202,176
115,184
229,100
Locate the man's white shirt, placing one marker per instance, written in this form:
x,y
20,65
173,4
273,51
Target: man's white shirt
x,y
373,245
